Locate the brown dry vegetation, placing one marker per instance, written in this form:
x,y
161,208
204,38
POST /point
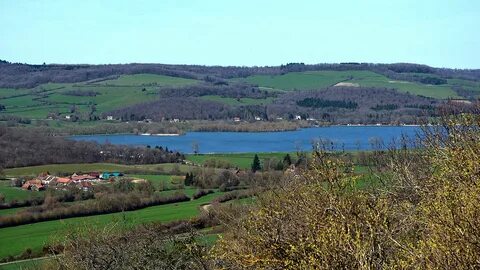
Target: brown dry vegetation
x,y
424,217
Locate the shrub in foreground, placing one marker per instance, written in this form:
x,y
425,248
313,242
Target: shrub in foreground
x,y
426,215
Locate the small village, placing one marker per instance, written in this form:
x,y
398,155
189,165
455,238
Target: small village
x,y
83,182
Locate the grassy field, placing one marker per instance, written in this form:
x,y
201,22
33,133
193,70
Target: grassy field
x,y
112,94
10,92
316,80
242,161
370,79
89,167
34,236
28,264
14,193
468,85
14,240
10,211
299,80
148,79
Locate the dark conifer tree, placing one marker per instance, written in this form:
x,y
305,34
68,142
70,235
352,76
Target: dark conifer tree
x,y
256,164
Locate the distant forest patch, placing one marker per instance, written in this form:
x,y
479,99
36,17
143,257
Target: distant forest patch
x,y
385,107
81,93
323,103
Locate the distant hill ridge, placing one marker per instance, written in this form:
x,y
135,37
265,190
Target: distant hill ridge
x,y
17,75
375,93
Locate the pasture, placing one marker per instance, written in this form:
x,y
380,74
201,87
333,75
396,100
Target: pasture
x,y
15,193
241,160
113,94
147,79
317,80
14,240
163,168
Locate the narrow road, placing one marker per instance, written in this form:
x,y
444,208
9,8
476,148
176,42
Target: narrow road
x,y
27,260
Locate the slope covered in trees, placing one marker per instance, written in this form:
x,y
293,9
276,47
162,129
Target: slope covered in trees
x,y
20,147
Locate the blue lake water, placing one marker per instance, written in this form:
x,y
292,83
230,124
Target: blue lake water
x,y
335,137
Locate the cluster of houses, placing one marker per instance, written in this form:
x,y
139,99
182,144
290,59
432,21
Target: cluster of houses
x,y
296,117
81,181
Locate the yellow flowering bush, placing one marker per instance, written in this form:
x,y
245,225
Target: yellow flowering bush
x,y
427,217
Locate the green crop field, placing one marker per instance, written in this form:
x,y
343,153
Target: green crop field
x,y
240,101
317,80
371,79
14,240
299,80
148,79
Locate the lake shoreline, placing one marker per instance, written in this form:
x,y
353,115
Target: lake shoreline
x,y
332,138
240,131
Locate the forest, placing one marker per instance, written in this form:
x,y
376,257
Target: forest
x,y
20,147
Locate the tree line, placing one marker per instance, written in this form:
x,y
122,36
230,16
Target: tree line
x,y
17,75
21,147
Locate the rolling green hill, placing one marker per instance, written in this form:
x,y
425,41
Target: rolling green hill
x,y
14,240
148,79
315,80
109,95
98,96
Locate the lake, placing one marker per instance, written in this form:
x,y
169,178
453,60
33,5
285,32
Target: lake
x,y
334,137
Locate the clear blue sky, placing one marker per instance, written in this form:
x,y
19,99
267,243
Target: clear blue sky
x,y
439,33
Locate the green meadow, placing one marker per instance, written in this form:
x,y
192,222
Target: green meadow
x,y
148,79
88,167
113,94
28,264
241,160
14,240
317,80
310,80
15,193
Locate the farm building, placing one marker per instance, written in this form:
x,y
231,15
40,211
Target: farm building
x,y
34,184
63,180
47,179
108,175
83,178
85,186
